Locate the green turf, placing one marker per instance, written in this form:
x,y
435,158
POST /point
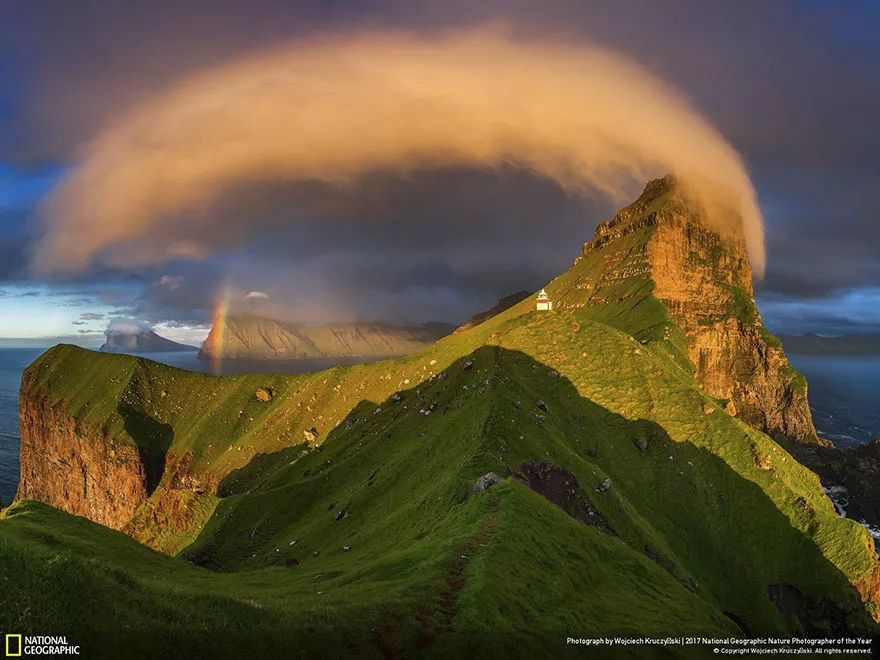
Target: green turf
x,y
367,540
688,513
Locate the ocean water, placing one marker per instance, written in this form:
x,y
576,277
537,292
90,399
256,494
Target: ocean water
x,y
844,394
12,362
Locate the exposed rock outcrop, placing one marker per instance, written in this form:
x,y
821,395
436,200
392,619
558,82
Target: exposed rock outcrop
x,y
561,487
663,246
817,616
486,482
856,469
181,502
78,468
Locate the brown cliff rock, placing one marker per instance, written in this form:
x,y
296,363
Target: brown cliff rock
x,y
663,246
77,468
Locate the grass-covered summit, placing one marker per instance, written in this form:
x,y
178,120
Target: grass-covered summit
x,y
336,513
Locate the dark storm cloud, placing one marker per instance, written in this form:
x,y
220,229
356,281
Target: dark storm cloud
x,y
822,230
791,84
855,311
185,297
388,247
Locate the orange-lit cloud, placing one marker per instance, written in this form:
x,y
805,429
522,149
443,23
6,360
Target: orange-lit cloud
x,y
333,108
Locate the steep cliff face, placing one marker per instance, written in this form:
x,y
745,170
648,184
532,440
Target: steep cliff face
x,y
662,247
78,467
262,338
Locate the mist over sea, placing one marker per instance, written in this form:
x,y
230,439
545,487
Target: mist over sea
x,y
844,394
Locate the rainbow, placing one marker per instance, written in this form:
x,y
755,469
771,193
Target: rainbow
x,y
218,329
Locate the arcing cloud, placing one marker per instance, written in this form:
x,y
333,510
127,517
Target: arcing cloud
x,y
336,107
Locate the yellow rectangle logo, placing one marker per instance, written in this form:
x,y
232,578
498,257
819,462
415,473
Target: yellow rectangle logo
x,y
13,650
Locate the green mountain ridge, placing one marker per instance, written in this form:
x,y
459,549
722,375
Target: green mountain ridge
x,y
335,513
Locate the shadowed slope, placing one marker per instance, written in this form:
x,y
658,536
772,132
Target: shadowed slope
x,y
633,499
682,525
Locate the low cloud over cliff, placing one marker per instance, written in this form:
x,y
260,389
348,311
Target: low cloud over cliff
x,y
331,109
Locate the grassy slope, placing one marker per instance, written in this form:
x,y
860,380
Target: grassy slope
x,y
689,513
696,497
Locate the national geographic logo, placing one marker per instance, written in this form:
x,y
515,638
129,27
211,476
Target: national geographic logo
x,y
13,646
17,645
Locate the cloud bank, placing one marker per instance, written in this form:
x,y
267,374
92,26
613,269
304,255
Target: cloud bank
x,y
334,108
120,326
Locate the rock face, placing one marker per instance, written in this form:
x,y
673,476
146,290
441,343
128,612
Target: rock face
x,y
486,482
141,342
76,468
856,469
254,337
561,487
662,246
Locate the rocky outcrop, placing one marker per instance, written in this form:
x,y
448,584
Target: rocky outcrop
x,y
663,244
88,471
486,482
561,487
254,337
78,468
855,470
181,503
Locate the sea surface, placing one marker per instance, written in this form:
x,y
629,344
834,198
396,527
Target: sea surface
x,y
12,362
844,394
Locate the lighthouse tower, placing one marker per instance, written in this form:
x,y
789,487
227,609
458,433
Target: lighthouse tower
x,y
543,302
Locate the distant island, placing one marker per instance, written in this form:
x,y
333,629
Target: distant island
x,y
140,340
256,337
812,343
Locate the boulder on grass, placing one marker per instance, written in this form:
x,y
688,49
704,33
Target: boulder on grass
x,y
486,482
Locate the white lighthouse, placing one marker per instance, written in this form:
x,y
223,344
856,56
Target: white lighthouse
x,y
543,303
